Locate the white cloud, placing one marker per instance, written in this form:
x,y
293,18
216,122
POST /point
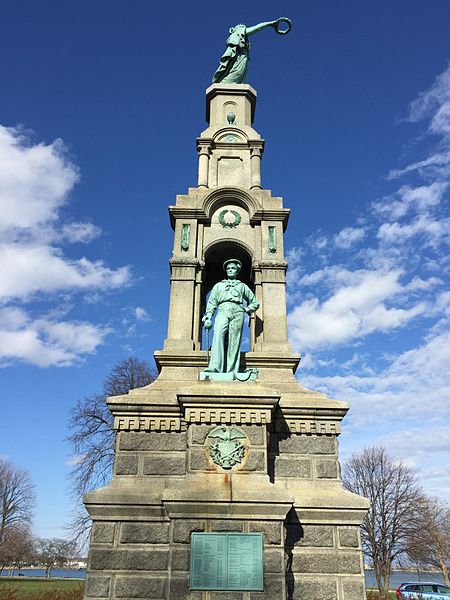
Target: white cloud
x,y
141,314
45,342
356,308
349,236
80,232
408,198
27,269
414,384
433,231
35,182
434,103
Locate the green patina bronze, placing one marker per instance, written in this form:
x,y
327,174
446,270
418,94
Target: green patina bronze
x,y
185,236
234,61
227,452
227,561
225,222
227,297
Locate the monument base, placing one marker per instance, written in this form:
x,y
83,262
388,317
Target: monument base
x,y
166,486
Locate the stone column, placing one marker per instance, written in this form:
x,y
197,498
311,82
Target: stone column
x,y
255,165
204,151
273,276
181,309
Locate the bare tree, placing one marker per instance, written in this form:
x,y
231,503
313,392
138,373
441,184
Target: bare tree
x,y
16,548
429,546
54,552
17,498
92,436
395,500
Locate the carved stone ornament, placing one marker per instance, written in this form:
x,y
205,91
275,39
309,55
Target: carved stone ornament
x,y
272,239
230,220
230,138
227,451
185,236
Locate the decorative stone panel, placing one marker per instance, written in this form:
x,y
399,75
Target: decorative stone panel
x,y
150,423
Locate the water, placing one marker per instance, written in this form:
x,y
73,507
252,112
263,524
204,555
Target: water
x,y
70,573
399,577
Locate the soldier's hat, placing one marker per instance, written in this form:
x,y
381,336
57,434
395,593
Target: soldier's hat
x,y
232,260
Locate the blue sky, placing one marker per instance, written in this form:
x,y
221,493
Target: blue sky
x,y
100,106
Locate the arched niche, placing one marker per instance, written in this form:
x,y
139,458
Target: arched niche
x,y
228,195
215,255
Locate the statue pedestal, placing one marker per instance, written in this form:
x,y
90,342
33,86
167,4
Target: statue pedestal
x,y
166,485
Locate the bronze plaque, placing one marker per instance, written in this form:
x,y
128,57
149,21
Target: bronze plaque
x,y
227,561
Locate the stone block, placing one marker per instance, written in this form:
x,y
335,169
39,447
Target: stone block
x,y
228,525
141,587
103,533
292,467
97,586
304,444
314,590
181,533
332,562
317,536
226,596
256,434
152,440
165,464
327,469
126,464
273,590
256,461
179,590
180,559
144,533
199,433
348,537
133,560
353,590
198,460
274,560
273,532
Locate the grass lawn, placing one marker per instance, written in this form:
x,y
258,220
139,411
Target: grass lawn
x,y
39,585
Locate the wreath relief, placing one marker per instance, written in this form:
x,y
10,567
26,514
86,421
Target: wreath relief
x,y
226,220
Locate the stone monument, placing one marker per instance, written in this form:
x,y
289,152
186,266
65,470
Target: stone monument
x,y
226,480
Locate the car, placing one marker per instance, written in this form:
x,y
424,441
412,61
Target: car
x,y
423,590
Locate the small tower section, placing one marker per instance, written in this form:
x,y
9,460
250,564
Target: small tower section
x,y
230,150
228,215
